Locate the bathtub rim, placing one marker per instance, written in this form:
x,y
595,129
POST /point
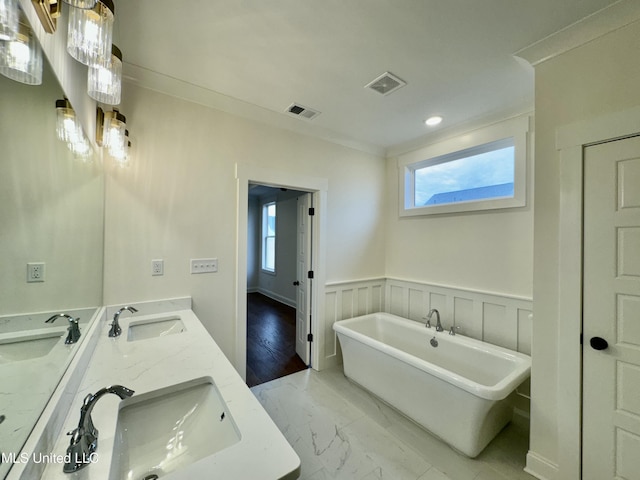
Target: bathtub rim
x,y
499,391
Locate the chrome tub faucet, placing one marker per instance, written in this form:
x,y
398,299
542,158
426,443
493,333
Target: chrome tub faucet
x,y
84,439
74,329
438,324
115,330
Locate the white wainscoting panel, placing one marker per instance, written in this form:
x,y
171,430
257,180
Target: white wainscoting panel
x,y
347,300
502,320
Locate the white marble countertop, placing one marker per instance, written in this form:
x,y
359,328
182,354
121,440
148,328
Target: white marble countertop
x,y
147,365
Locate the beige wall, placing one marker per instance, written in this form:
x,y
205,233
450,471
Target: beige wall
x,y
489,251
595,79
278,285
177,201
51,206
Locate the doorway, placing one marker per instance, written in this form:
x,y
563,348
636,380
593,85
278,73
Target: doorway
x,y
278,247
246,174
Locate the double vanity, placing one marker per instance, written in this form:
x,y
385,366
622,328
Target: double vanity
x,y
191,415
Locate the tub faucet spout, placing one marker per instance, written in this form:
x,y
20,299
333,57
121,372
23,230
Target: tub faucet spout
x,y
438,324
84,439
115,330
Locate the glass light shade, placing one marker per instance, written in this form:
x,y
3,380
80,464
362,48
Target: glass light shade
x,y
118,148
80,147
90,33
114,130
66,124
122,156
105,83
21,59
84,4
9,16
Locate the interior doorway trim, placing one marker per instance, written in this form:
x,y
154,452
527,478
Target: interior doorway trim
x,y
246,174
570,142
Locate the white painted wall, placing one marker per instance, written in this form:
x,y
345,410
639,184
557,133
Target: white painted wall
x,y
178,201
50,206
598,78
278,285
490,251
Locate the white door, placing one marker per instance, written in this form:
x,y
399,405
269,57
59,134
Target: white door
x,y
303,304
611,312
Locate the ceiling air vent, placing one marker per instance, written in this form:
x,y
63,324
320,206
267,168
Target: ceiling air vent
x,y
301,111
386,83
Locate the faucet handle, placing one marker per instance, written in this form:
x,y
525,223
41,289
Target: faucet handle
x,y
453,330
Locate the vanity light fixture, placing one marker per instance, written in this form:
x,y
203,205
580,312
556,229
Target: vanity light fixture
x,y
122,154
9,16
66,123
90,33
433,121
80,147
111,129
84,4
105,83
21,58
69,131
48,12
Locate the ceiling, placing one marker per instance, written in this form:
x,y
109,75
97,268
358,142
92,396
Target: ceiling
x,y
255,58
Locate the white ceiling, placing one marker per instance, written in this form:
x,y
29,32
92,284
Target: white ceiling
x,y
257,57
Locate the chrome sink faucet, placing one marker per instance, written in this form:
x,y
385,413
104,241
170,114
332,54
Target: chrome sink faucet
x,y
115,330
74,330
84,439
438,324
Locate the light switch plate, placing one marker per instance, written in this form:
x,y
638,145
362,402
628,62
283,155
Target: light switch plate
x,y
204,265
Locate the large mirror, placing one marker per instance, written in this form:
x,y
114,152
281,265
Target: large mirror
x,y
51,215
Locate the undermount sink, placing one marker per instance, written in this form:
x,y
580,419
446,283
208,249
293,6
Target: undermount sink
x,y
16,348
156,327
164,430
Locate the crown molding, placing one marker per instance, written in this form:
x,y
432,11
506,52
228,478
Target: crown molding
x,y
613,17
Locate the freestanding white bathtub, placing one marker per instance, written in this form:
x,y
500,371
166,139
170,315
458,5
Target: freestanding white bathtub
x,y
458,390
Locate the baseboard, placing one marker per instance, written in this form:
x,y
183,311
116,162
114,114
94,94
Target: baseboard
x,y
276,297
540,467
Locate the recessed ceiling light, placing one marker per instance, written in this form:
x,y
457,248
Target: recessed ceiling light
x,y
433,121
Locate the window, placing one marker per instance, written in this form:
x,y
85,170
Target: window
x,y
269,237
484,176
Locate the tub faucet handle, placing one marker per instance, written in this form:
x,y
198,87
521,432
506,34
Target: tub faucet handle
x,y
453,330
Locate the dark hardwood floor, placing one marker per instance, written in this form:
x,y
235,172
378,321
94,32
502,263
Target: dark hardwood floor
x,y
271,340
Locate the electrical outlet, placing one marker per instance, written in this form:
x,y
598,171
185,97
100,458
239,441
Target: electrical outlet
x,y
157,267
204,265
35,272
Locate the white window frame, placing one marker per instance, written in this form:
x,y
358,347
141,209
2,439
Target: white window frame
x,y
264,237
469,144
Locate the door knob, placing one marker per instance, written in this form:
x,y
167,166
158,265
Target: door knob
x,y
296,283
598,343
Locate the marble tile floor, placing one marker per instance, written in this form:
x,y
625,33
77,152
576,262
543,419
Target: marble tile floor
x,y
340,431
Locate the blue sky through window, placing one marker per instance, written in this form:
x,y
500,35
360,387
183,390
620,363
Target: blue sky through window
x,y
470,176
